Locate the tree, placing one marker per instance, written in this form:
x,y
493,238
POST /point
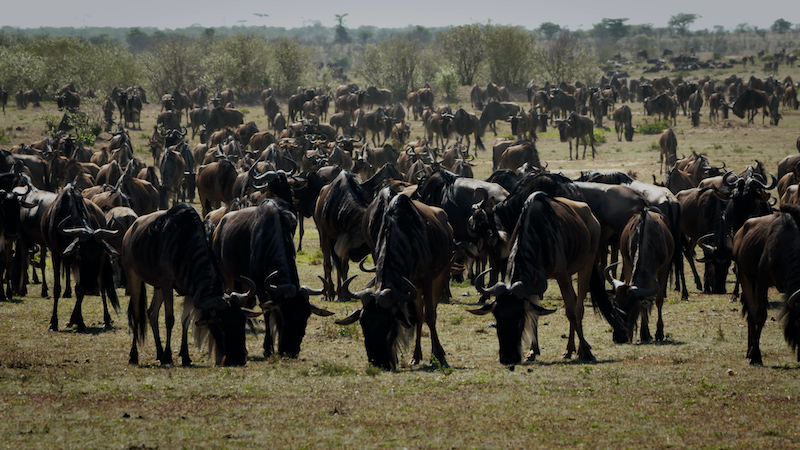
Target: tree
x,y
508,54
390,64
781,26
565,58
290,63
173,64
464,47
342,37
549,29
680,22
611,28
137,40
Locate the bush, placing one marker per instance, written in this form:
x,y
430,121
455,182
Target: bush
x,y
599,136
652,128
84,127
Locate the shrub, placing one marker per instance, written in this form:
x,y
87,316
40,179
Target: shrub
x,y
652,128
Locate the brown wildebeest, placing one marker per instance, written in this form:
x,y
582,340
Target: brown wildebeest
x,y
577,127
765,253
668,143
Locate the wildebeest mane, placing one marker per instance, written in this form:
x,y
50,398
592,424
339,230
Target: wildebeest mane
x,y
534,239
272,243
553,184
401,241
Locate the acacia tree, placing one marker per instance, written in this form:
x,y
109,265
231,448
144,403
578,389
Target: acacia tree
x,y
464,47
781,26
680,22
508,54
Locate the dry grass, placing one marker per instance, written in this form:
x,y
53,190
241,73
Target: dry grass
x,y
696,389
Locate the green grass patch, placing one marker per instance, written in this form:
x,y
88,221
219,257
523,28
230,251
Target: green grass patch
x,y
652,127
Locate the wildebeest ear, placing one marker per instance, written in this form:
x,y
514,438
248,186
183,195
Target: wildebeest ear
x,y
401,316
71,247
352,318
483,310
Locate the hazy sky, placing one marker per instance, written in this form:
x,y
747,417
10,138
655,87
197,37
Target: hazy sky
x,y
574,14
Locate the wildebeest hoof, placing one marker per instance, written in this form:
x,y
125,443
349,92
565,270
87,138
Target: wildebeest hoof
x,y
531,357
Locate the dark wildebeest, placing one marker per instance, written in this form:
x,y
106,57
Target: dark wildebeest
x,y
577,127
695,103
3,98
554,238
494,111
516,155
339,210
256,243
647,247
464,124
271,109
169,250
702,220
199,97
765,253
668,143
220,118
664,105
622,123
349,103
413,245
73,230
296,102
749,102
476,97
172,167
198,117
380,97
169,120
69,100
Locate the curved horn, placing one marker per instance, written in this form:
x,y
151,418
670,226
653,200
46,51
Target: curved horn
x,y
411,289
498,289
614,282
790,303
285,290
364,269
640,292
725,179
771,185
346,288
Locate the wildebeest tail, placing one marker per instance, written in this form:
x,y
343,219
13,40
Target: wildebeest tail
x,y
790,317
601,301
108,285
478,141
139,329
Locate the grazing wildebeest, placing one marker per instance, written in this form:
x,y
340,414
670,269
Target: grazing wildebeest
x,y
413,245
647,247
765,253
220,118
494,111
339,210
622,123
73,229
169,250
256,243
554,238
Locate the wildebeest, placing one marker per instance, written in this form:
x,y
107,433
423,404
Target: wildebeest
x,y
69,100
749,102
494,111
74,230
577,127
169,250
221,117
647,247
622,123
339,210
464,124
668,143
215,184
765,253
198,117
256,243
554,238
664,105
413,247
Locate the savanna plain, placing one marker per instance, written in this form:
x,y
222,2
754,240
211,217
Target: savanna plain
x,y
695,389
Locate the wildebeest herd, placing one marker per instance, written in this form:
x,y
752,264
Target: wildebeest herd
x,y
413,205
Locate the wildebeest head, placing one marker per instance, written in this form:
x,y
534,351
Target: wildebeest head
x,y
629,130
516,309
383,316
631,299
224,318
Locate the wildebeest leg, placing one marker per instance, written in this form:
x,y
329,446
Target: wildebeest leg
x,y
419,311
302,231
186,321
68,281
431,301
77,315
756,314
325,246
570,150
660,323
688,252
56,289
136,306
169,318
644,330
269,342
152,315
574,313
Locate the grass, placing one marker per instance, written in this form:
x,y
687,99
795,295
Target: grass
x,y
696,389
